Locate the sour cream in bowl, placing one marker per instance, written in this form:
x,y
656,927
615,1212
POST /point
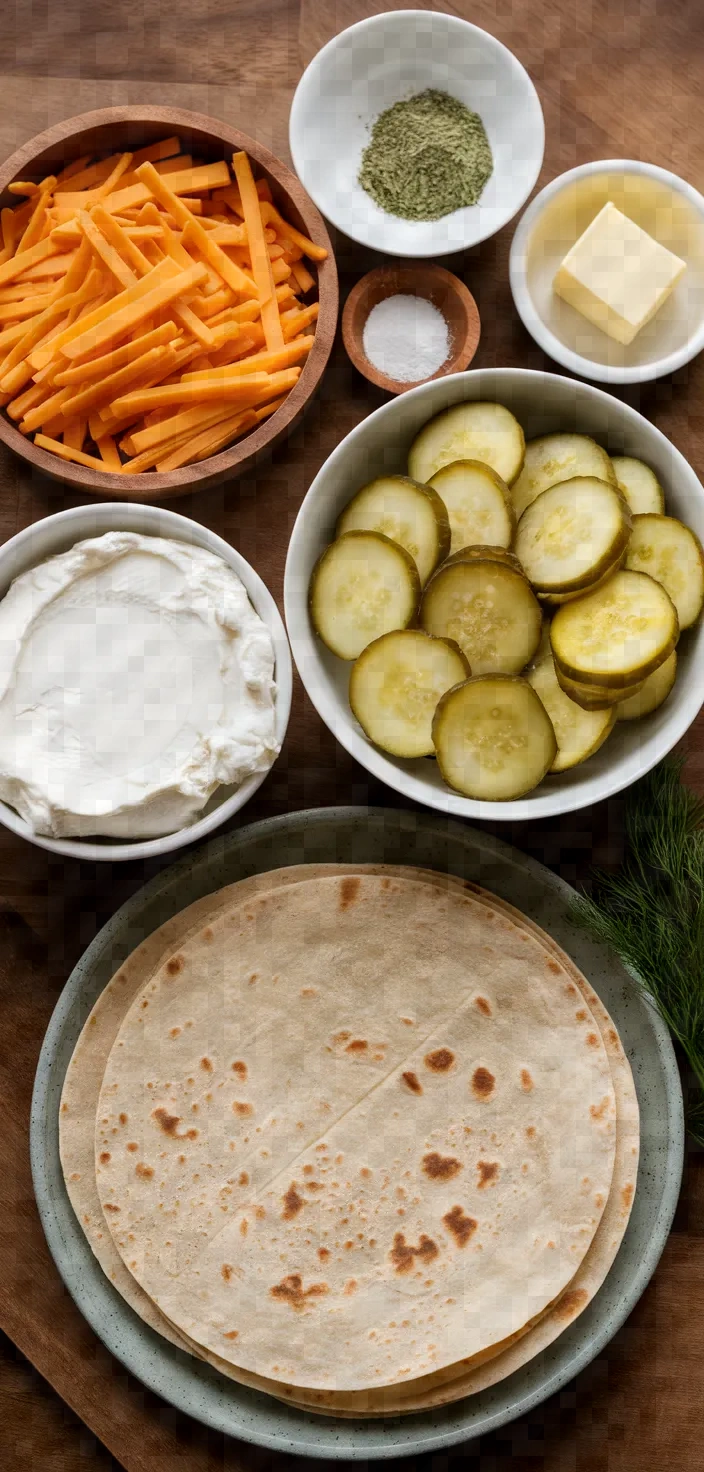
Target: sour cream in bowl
x,y
145,682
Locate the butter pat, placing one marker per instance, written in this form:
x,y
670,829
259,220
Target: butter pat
x,y
616,275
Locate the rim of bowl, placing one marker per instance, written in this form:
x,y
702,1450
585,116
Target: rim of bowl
x,y
304,649
523,300
435,17
113,513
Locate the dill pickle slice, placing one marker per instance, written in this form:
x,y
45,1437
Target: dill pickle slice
x,y
395,686
473,431
493,737
616,635
488,609
409,513
572,534
478,504
671,553
364,585
651,694
556,457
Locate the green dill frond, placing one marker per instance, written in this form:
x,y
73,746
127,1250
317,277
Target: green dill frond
x,y
651,910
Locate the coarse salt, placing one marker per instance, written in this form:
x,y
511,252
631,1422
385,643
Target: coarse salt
x,y
406,338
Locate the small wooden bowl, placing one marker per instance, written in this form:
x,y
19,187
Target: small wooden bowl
x,y
445,291
118,129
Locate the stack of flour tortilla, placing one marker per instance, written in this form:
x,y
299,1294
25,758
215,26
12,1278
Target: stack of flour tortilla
x,y
361,1138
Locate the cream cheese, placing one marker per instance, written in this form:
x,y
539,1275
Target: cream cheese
x,y
135,679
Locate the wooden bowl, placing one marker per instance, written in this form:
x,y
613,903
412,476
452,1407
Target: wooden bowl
x,y
115,129
445,291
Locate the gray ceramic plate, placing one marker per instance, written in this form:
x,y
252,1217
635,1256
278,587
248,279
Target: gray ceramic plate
x,y
361,835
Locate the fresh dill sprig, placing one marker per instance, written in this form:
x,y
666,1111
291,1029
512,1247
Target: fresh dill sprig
x,y
651,910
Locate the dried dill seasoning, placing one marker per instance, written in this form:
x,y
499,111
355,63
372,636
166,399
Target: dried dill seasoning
x,y
427,157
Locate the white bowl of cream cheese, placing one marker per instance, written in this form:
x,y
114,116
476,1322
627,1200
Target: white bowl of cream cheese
x,y
145,682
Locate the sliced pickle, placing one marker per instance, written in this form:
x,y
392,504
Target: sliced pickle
x,y
475,431
554,600
485,554
639,484
651,694
478,504
572,534
488,609
673,555
410,514
578,732
363,586
557,457
493,737
596,697
619,634
395,686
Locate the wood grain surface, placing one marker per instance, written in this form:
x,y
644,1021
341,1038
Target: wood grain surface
x,y
617,78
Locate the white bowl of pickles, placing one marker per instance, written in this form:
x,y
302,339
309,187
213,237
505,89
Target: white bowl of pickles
x,y
493,594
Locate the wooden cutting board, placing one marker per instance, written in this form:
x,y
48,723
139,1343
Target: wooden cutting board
x,y
617,78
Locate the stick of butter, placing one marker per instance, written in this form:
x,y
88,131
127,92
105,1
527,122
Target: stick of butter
x,y
616,275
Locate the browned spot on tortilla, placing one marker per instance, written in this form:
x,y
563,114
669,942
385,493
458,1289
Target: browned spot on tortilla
x,y
207,934
403,1255
292,1203
232,1334
598,1200
598,1111
553,966
145,1171
144,1004
241,1108
350,1287
592,1040
309,991
627,1194
530,1131
581,1015
243,1179
313,1186
339,1038
182,1160
133,1146
105,1156
123,1119
291,1291
613,1036
358,1045
308,1170
64,1108
483,1083
243,1226
440,1167
239,1068
460,1225
174,1032
526,1081
259,1213
365,1171
108,1206
323,1253
571,989
483,1006
75,1175
408,1021
488,1173
226,1271
439,1060
206,1064
174,965
349,889
413,1082
571,1303
169,1122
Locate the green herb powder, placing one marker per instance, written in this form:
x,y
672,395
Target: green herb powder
x,y
427,157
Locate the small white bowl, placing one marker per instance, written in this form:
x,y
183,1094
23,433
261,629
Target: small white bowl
x,y
542,402
388,59
670,210
57,534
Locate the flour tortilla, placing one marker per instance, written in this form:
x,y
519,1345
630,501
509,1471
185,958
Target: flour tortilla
x,y
363,981
78,1110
